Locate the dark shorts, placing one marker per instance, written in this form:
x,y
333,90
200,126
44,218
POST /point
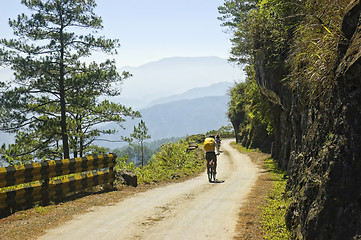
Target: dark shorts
x,y
211,155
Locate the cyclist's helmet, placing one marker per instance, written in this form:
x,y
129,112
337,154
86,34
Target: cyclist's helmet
x,y
212,136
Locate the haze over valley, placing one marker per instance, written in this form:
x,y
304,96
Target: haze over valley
x,y
172,76
176,97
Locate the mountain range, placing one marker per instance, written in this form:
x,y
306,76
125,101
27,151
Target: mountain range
x,y
196,111
176,96
216,89
173,76
185,117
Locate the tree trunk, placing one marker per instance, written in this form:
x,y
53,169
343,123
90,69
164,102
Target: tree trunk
x,y
81,146
142,153
63,125
235,125
64,134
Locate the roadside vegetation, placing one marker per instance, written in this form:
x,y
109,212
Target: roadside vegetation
x,y
132,152
274,211
263,215
168,159
173,161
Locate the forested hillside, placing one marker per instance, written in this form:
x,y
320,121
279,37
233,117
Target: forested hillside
x,y
303,93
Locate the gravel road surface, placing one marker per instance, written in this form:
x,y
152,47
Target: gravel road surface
x,y
194,209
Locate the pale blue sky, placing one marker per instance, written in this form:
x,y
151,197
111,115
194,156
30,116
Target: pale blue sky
x,y
150,30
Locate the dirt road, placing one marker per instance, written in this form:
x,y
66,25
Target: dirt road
x,y
194,209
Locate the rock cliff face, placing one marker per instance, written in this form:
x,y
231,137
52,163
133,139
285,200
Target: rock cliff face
x,y
319,143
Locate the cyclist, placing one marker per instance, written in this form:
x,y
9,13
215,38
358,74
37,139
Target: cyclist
x,y
218,143
209,147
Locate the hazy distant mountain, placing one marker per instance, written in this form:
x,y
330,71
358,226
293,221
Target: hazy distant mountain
x,y
195,111
178,119
173,119
168,77
217,89
165,85
173,76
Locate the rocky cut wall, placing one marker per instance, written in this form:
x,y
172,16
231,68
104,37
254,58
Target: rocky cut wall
x,y
319,143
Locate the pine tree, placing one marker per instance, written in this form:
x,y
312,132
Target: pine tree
x,y
140,134
55,92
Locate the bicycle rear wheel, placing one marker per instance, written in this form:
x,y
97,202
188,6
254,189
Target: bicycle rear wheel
x,y
211,172
209,177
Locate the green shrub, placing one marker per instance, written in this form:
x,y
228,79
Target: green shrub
x,y
173,161
198,138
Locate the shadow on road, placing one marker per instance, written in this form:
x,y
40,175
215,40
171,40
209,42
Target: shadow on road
x,y
217,181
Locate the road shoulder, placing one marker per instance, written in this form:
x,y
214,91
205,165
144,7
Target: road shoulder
x,y
249,221
33,223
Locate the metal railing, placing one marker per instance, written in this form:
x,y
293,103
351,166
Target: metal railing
x,y
23,185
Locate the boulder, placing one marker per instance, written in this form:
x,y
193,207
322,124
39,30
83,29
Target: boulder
x,y
127,177
192,146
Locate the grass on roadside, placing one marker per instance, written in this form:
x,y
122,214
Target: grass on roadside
x,y
274,203
172,162
274,211
244,149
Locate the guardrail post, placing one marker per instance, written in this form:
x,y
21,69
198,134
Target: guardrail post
x,y
45,192
111,172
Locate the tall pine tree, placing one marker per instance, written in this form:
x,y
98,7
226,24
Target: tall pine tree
x,y
55,92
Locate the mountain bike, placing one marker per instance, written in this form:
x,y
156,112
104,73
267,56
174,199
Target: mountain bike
x,y
218,146
211,171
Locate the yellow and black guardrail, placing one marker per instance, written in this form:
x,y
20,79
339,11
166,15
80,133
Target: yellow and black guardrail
x,y
51,180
